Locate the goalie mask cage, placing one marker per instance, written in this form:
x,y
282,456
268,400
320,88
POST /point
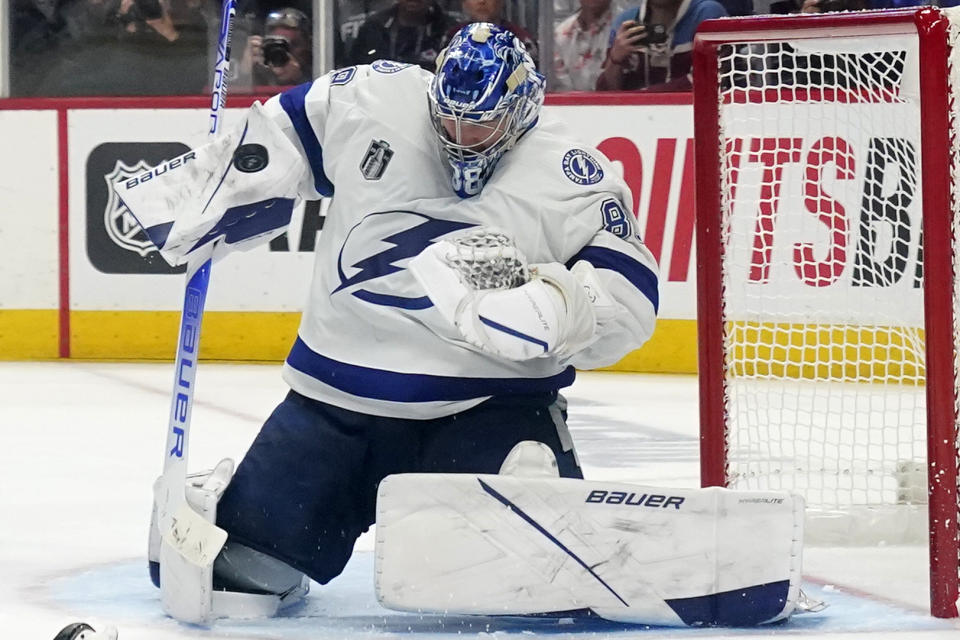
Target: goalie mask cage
x,y
827,253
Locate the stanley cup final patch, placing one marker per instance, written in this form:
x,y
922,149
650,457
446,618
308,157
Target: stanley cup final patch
x,y
376,159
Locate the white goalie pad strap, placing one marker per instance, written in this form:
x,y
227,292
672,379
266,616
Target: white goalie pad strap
x,y
191,544
186,553
579,320
202,490
237,191
496,545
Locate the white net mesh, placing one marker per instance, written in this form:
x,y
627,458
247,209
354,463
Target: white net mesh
x,y
822,280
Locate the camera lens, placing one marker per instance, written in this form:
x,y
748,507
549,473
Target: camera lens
x,y
276,51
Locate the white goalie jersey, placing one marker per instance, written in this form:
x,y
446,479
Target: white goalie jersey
x,y
364,137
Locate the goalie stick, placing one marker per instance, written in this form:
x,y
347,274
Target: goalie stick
x,y
185,531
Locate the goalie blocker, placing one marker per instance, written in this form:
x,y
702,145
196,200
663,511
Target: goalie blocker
x,y
507,545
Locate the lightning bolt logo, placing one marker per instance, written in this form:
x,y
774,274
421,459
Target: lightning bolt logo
x,y
406,244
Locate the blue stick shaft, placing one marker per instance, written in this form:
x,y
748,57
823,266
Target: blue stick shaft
x,y
194,300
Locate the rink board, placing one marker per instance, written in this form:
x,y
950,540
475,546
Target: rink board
x,y
81,281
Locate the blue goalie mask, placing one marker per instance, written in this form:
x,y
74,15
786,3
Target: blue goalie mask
x,y
485,95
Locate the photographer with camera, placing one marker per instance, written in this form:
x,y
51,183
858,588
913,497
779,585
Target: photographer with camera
x,y
282,55
651,46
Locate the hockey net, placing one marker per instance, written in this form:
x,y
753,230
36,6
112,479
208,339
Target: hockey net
x,y
827,216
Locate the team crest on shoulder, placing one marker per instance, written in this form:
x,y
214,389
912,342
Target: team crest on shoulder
x,y
343,76
389,66
581,167
376,159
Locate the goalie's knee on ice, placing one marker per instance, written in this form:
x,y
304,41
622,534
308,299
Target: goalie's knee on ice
x,y
530,459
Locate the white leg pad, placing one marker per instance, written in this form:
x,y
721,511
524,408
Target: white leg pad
x,y
186,553
505,545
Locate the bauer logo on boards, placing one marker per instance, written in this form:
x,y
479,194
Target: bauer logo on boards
x,y
115,241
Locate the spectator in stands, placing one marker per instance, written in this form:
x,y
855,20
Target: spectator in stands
x,y
162,47
651,46
563,9
282,55
492,11
410,31
250,20
37,31
36,24
120,47
580,46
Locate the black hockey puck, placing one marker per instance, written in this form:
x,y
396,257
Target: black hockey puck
x,y
74,631
250,158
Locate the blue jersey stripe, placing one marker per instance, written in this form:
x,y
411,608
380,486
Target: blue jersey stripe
x,y
294,104
394,386
635,271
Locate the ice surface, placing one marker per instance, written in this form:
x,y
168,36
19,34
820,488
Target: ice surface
x,y
82,444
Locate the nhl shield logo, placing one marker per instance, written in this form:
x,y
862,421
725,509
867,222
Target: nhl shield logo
x,y
120,224
376,159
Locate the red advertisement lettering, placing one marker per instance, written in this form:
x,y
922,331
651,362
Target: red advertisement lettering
x,y
659,195
836,151
773,154
733,154
624,151
683,232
